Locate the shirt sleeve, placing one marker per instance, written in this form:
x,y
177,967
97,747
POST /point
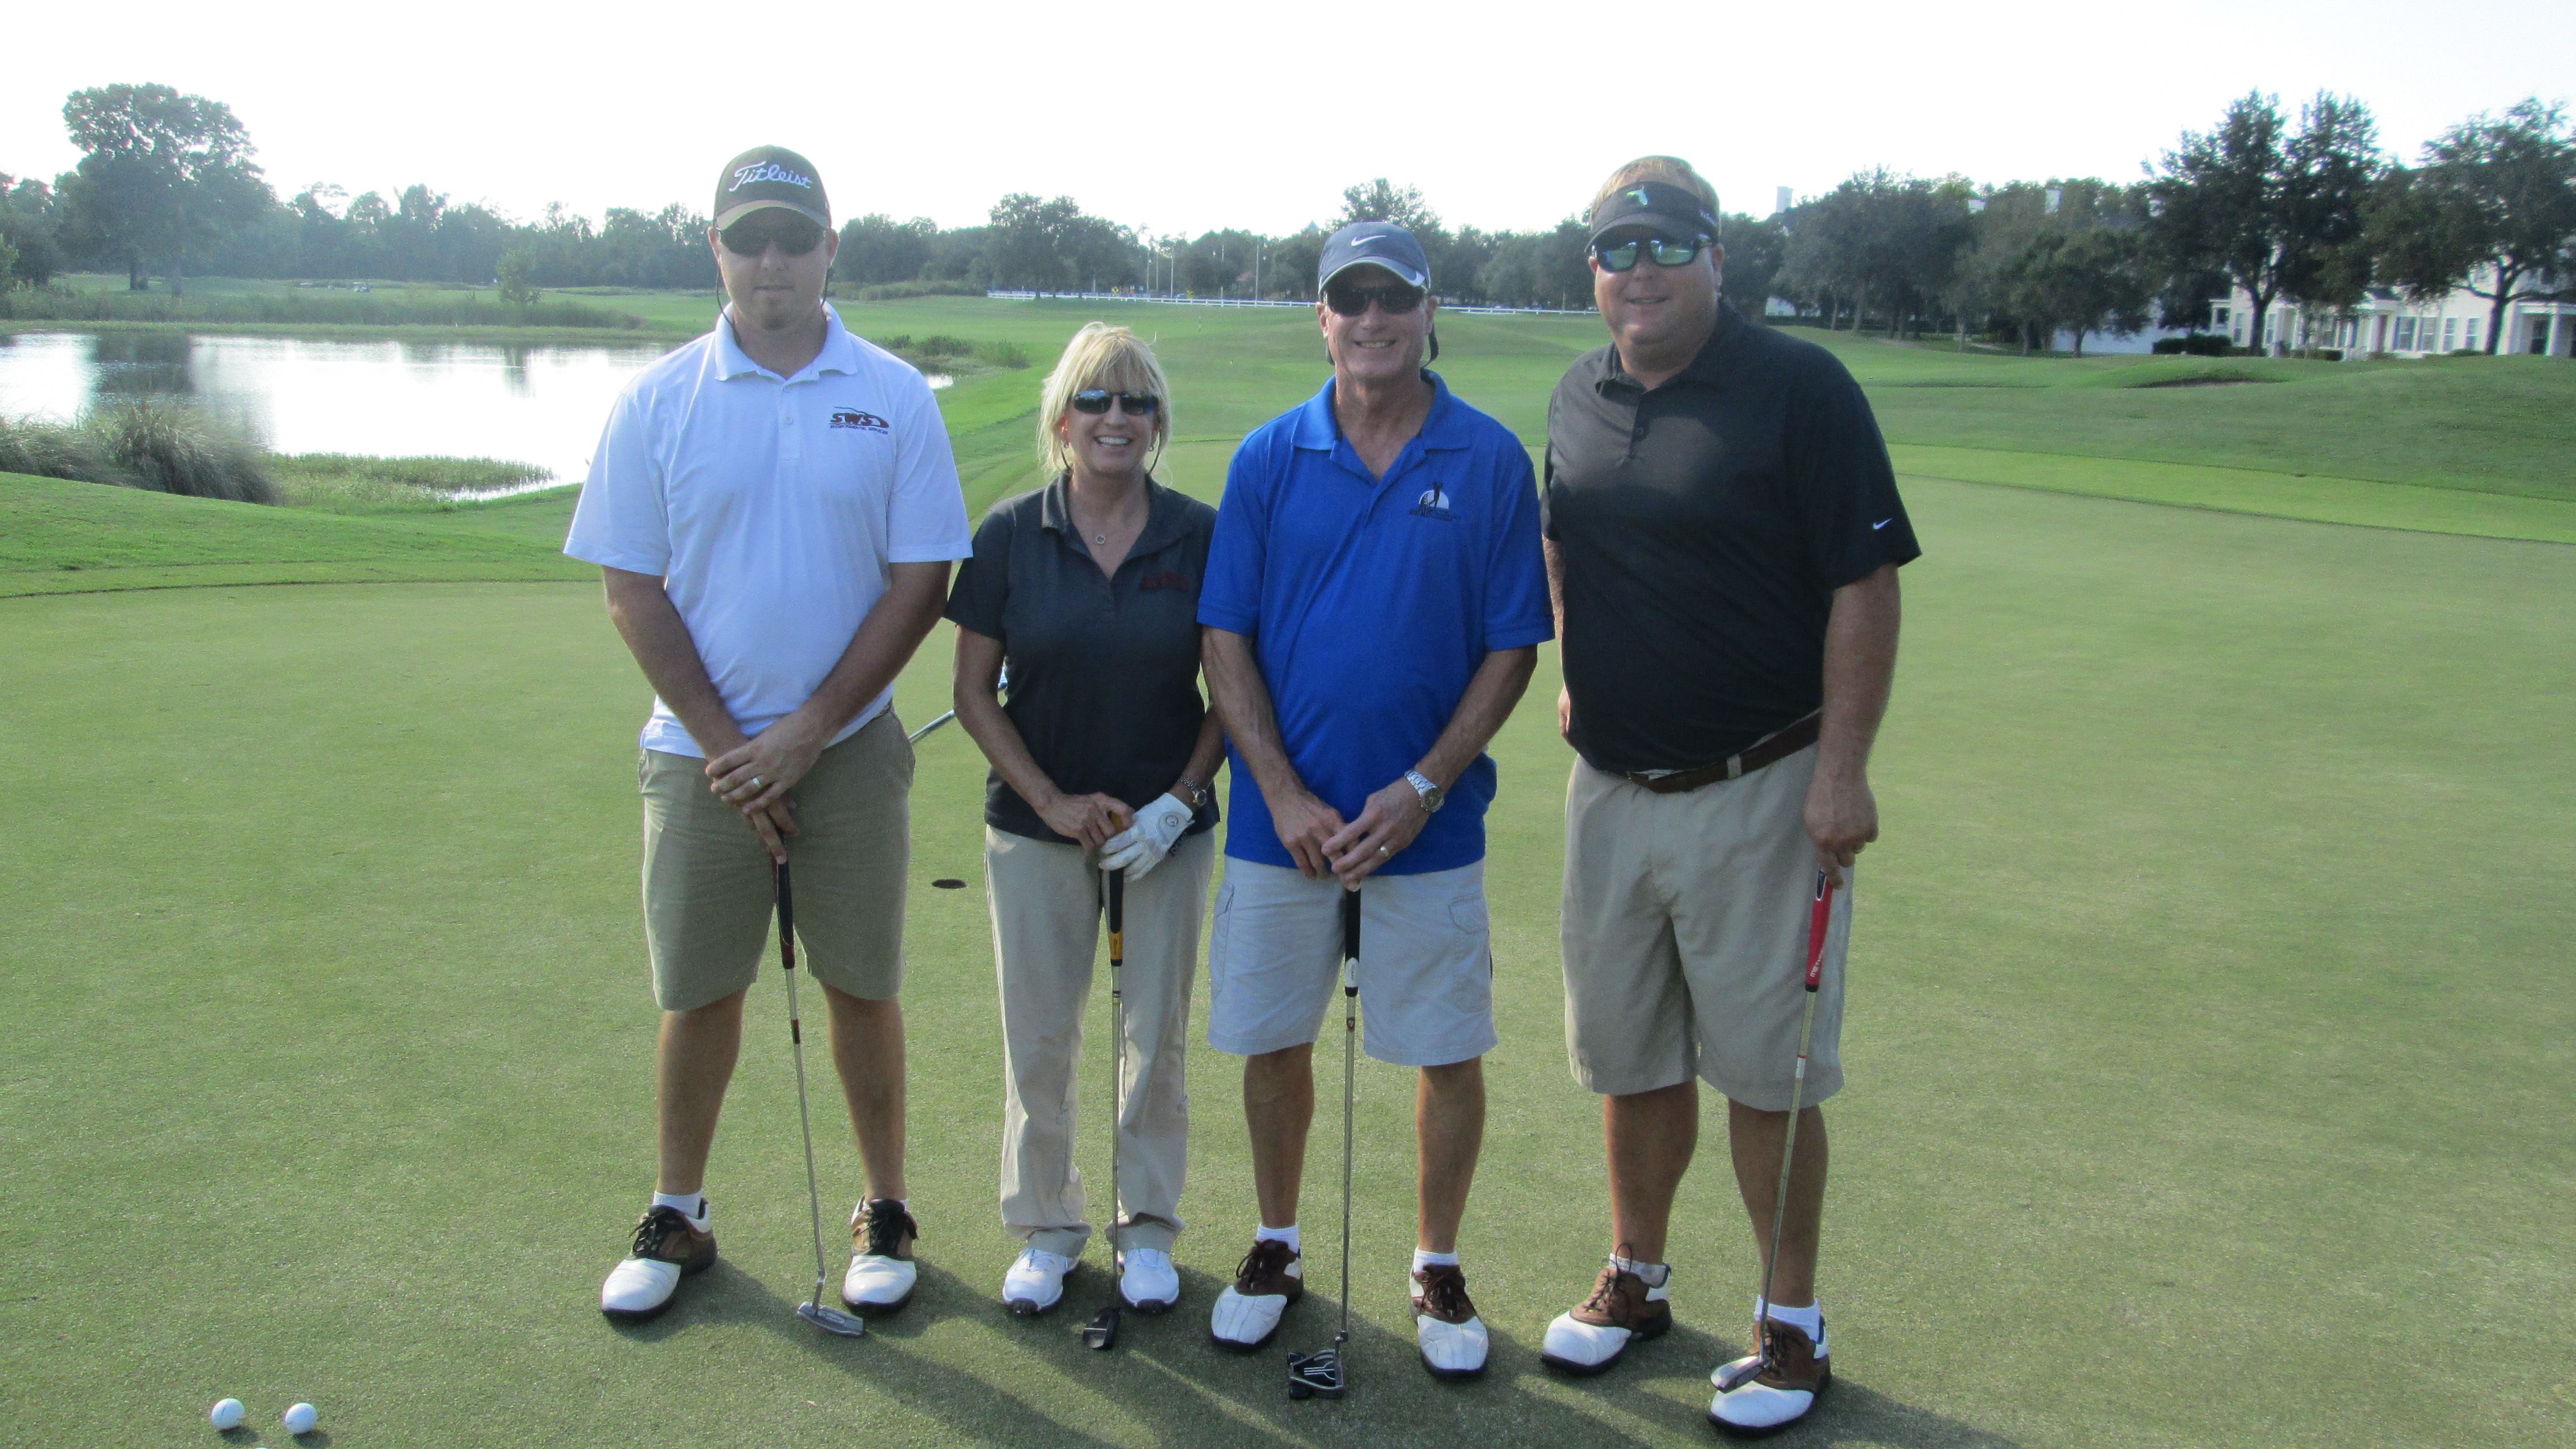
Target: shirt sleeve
x,y
983,588
1230,598
926,517
1516,605
1842,485
619,521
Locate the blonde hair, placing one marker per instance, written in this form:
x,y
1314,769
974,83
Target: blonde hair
x,y
1107,357
1670,170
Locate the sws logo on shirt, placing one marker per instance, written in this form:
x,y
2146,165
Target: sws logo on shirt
x,y
1169,579
853,418
1432,504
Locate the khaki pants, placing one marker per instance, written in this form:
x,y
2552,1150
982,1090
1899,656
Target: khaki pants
x,y
1047,904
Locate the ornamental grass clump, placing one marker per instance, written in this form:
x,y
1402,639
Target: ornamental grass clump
x,y
153,443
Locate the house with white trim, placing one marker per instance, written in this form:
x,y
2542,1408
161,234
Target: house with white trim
x,y
2388,322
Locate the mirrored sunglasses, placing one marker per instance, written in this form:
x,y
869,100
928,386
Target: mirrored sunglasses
x,y
1135,404
1620,256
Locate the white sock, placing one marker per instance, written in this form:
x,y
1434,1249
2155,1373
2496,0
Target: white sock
x,y
1424,1258
1288,1235
1655,1274
1809,1320
690,1205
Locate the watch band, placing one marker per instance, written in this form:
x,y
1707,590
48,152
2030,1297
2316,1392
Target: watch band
x,y
1431,795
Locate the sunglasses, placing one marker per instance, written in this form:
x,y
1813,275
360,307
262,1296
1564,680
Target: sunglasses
x,y
1620,256
753,236
1134,404
1354,301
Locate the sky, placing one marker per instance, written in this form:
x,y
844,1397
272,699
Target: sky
x,y
1182,118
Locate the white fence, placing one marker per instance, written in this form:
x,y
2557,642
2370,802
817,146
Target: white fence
x,y
1270,302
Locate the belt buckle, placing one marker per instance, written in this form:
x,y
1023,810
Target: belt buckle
x,y
1735,767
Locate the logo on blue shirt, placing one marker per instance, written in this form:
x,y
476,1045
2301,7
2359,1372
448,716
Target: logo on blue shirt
x,y
853,418
1432,504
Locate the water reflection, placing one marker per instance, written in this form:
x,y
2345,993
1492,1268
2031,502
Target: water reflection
x,y
541,405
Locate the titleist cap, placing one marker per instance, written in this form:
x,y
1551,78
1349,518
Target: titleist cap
x,y
1671,211
770,176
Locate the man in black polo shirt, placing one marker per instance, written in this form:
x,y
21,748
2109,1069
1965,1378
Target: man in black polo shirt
x,y
1723,535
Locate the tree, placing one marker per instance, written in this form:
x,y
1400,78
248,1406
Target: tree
x,y
2493,200
876,249
2280,215
1380,201
160,172
1754,250
1024,243
27,231
516,272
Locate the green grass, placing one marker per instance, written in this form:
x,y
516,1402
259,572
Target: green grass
x,y
2208,1040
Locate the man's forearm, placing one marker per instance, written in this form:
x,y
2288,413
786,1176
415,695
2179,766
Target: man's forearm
x,y
1555,582
883,644
1860,669
1490,697
659,639
1234,678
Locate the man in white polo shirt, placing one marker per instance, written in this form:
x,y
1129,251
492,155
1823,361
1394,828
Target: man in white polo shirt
x,y
775,509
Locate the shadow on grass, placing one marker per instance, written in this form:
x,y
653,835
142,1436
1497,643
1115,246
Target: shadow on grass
x,y
1031,1382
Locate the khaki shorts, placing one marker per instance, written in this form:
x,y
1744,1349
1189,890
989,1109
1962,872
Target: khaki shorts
x,y
1685,931
1426,963
707,885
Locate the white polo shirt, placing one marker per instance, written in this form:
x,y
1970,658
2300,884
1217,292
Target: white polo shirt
x,y
771,507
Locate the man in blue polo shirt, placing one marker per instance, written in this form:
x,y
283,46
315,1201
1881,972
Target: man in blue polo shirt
x,y
1373,604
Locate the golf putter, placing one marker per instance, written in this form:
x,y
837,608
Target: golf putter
x,y
1000,684
830,1320
1102,1331
1321,1374
1820,919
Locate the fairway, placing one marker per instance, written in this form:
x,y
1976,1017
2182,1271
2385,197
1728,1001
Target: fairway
x,y
2208,1043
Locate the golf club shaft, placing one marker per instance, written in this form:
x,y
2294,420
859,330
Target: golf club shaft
x,y
1819,920
1117,1047
1350,1059
796,1037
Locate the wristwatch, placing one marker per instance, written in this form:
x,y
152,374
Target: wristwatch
x,y
1432,795
1198,793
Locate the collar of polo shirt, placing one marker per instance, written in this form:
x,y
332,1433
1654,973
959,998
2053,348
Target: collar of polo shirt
x,y
840,349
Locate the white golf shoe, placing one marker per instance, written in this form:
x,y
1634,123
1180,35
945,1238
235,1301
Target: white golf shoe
x,y
1622,1310
1446,1329
666,1249
1247,1313
1035,1282
882,1272
1147,1281
1778,1394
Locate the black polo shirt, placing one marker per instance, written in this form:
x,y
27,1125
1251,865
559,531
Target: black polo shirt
x,y
1104,669
1704,527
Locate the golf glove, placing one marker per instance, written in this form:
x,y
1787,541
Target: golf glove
x,y
1141,846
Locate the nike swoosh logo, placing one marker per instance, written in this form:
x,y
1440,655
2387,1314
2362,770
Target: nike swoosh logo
x,y
1882,523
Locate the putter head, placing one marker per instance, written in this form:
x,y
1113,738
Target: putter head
x,y
833,1320
1317,1375
1102,1331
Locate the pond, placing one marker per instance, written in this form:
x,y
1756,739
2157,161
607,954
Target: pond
x,y
540,405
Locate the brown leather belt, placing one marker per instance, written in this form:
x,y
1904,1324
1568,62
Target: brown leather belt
x,y
1763,752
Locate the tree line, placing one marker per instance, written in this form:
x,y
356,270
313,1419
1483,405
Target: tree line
x,y
2307,212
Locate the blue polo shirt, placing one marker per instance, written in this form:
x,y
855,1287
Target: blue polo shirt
x,y
1371,603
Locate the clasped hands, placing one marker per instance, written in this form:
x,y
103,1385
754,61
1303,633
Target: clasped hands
x,y
1323,844
755,776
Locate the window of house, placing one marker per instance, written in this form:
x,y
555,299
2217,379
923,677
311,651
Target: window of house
x,y
2450,333
2469,334
2405,334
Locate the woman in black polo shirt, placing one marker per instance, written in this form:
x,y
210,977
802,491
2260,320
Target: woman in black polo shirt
x,y
1102,757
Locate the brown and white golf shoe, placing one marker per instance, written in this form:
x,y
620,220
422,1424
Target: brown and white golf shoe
x,y
1451,1338
1791,1377
666,1249
882,1273
1622,1310
1247,1313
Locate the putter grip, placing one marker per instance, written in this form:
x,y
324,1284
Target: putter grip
x,y
1350,925
1819,921
786,920
1117,914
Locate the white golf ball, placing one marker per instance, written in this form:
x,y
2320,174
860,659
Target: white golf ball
x,y
227,1414
300,1419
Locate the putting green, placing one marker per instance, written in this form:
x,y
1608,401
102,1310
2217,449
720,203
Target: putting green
x,y
2208,1042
